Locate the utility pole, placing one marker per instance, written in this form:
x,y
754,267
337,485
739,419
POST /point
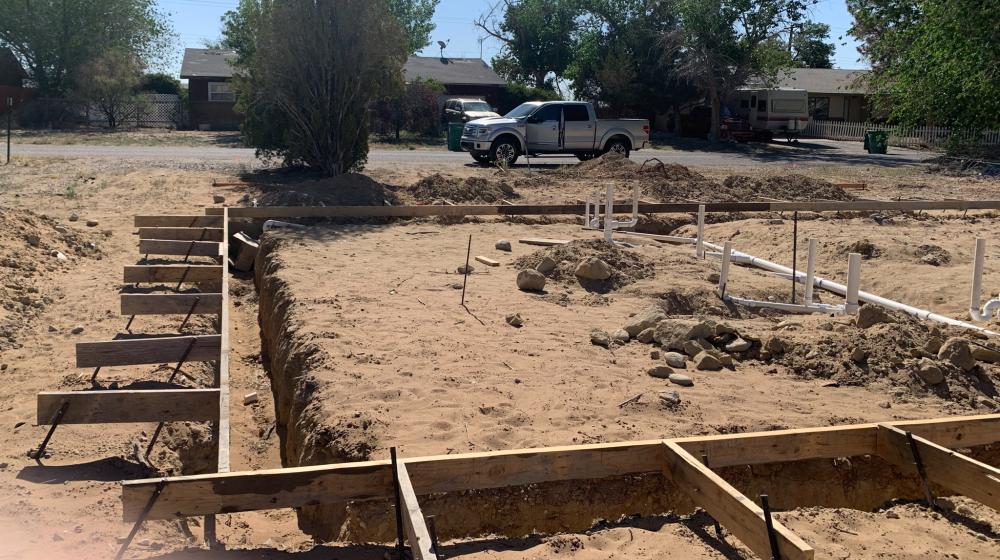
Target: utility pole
x,y
10,113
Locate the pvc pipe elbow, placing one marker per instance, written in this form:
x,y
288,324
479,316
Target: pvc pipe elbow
x,y
992,307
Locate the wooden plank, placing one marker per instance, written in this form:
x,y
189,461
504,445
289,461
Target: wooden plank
x,y
542,241
181,233
487,261
178,221
221,428
171,304
140,351
578,209
172,273
783,445
180,248
417,535
125,407
954,471
214,210
737,513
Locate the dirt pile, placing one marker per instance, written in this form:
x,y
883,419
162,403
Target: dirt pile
x,y
439,188
626,266
350,189
32,248
782,187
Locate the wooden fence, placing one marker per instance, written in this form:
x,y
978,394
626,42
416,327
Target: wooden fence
x,y
906,137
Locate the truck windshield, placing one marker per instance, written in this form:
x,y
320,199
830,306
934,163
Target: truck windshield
x,y
478,106
522,111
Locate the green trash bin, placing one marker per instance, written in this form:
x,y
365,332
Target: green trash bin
x,y
455,136
877,141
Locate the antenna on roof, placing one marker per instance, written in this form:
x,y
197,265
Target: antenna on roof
x,y
443,46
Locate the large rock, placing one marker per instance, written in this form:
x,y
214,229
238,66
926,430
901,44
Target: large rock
x,y
503,245
593,268
621,336
546,266
694,347
930,372
646,336
660,372
739,345
600,338
870,315
776,345
645,319
673,333
707,362
675,359
985,355
681,379
530,281
957,351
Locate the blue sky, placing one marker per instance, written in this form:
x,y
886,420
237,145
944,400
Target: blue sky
x,y
198,20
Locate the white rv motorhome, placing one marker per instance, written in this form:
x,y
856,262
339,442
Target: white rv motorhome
x,y
774,111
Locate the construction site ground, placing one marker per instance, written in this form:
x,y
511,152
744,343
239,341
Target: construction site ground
x,y
395,351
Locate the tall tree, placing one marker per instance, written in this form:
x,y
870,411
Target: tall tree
x,y
414,17
55,38
933,61
316,69
720,44
240,26
110,83
537,38
811,45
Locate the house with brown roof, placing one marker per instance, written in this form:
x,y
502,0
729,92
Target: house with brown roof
x,y
211,99
834,94
461,77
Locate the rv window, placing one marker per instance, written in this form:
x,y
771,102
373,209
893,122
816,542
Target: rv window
x,y
762,105
788,106
744,104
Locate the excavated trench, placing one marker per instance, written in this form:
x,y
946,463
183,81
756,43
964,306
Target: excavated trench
x,y
312,435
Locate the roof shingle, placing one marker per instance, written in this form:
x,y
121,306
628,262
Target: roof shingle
x,y
451,71
207,63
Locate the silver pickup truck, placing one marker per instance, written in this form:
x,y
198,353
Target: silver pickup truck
x,y
552,127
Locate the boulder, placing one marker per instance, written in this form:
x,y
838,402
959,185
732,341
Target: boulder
x,y
645,319
660,372
621,336
675,359
673,333
546,266
957,351
646,336
530,281
593,268
681,379
600,338
930,372
503,245
739,345
707,362
694,347
870,315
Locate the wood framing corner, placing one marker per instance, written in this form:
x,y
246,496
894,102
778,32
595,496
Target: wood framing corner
x,y
421,544
737,513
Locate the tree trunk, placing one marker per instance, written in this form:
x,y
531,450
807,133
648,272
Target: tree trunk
x,y
540,79
713,99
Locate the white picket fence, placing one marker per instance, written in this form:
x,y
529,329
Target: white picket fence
x,y
906,137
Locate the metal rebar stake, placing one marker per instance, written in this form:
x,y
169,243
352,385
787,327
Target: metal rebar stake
x,y
183,278
718,528
142,518
400,547
432,529
921,471
465,277
197,300
772,537
39,453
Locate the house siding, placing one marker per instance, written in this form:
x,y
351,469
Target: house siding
x,y
216,115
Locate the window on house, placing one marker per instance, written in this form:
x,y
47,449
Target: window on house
x,y
220,91
819,108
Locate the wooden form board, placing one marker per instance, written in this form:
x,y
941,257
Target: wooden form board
x,y
296,487
125,407
954,471
171,304
221,428
140,351
178,221
181,233
737,513
173,273
215,210
180,248
417,535
578,209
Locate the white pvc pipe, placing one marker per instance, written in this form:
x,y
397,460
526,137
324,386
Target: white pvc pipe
x,y
609,214
810,272
727,251
862,296
699,249
791,307
992,306
853,283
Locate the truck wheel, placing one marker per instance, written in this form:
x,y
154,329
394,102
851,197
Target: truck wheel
x,y
618,146
585,156
504,152
482,158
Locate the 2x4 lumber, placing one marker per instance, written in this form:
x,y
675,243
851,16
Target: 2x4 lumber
x,y
487,261
421,545
296,487
172,273
214,210
542,241
221,428
737,513
126,407
180,248
141,351
171,304
578,209
181,233
954,471
178,221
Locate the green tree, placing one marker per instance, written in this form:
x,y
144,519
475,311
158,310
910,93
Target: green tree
x,y
53,39
414,17
933,61
240,26
811,45
110,83
159,82
537,38
316,69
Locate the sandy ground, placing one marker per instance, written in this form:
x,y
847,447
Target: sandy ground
x,y
71,507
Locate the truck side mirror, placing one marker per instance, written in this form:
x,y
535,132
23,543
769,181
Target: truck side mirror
x,y
534,119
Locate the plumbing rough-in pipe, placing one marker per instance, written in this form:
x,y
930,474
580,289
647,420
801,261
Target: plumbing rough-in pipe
x,y
992,306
